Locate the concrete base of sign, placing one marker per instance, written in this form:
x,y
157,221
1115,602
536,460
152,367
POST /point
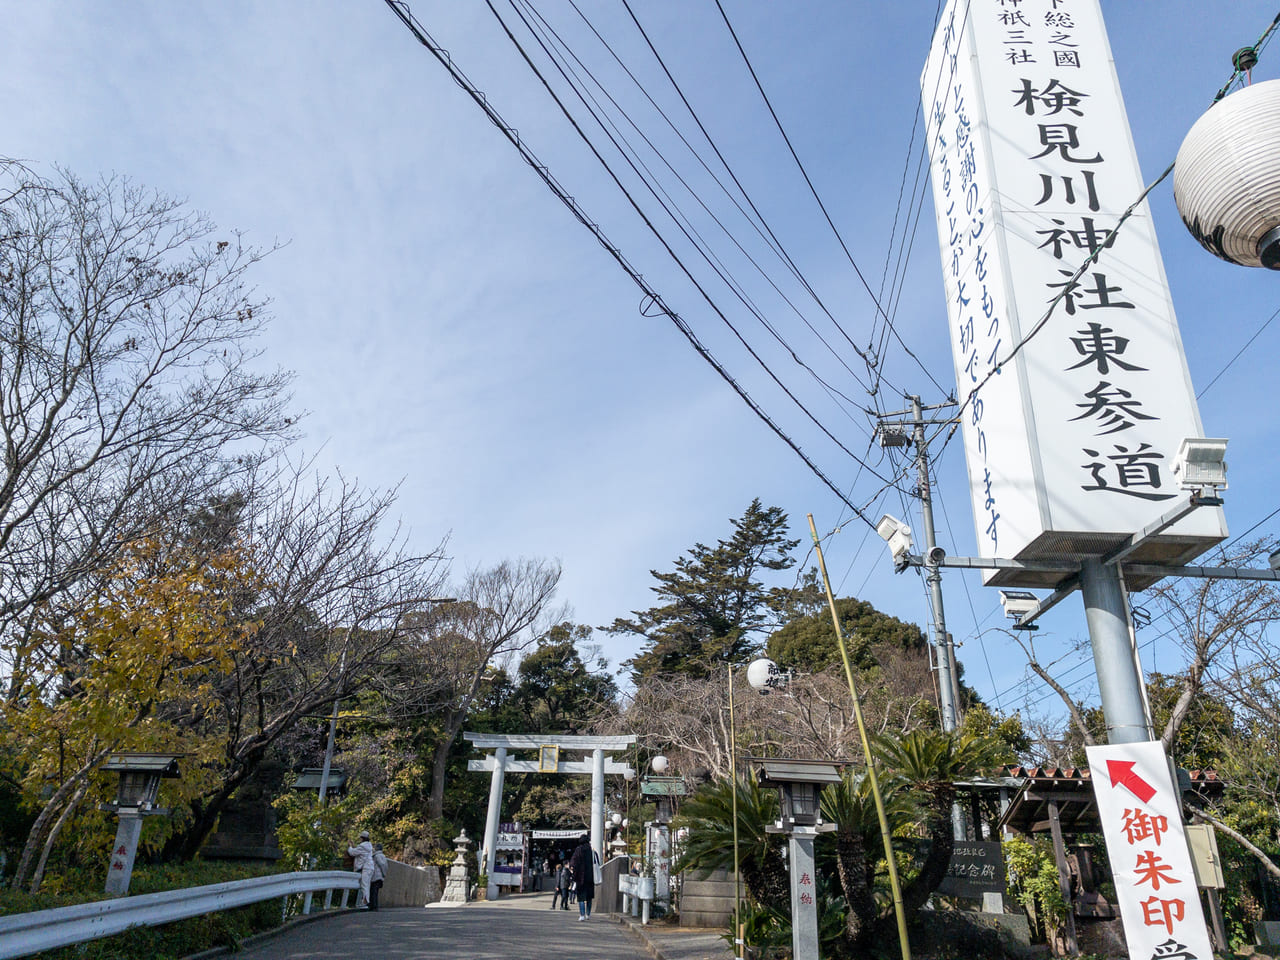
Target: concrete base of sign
x,y
123,851
1102,938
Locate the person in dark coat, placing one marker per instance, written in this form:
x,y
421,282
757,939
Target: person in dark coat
x,y
582,863
563,877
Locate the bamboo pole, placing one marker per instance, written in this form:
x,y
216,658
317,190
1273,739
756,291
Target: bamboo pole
x,y
898,908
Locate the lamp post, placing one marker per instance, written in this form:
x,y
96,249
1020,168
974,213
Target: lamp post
x,y
658,832
733,785
799,784
627,777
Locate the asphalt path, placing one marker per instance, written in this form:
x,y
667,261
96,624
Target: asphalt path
x,y
522,930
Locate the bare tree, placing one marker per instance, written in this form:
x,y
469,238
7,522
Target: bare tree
x,y
339,596
126,383
688,717
497,615
1219,624
1224,629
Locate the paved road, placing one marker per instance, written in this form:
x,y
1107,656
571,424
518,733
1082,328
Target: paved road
x,y
516,928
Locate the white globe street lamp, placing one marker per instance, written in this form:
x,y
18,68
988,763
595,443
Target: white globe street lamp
x,y
659,764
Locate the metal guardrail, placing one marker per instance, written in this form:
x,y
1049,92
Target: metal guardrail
x,y
27,933
637,894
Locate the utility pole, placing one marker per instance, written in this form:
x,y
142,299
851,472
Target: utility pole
x,y
947,685
933,575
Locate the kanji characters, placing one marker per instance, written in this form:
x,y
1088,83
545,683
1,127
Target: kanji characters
x,y
1140,825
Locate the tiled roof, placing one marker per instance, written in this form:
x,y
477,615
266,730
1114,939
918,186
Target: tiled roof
x,y
1082,773
1071,790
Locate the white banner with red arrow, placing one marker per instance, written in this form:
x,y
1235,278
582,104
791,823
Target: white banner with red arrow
x,y
1147,846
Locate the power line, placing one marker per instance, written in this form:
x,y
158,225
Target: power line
x,y
766,234
821,206
701,127
1239,352
403,13
657,234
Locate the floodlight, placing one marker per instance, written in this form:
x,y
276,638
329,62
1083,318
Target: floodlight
x,y
898,536
1200,464
1018,603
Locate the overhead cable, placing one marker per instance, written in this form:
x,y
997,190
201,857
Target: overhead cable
x,y
671,208
813,190
658,235
755,218
403,13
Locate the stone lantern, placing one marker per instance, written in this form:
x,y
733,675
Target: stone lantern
x,y
136,795
799,784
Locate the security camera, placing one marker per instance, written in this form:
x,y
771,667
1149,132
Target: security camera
x,y
1199,463
898,536
936,556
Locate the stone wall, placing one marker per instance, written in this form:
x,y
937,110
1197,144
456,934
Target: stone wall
x,y
408,886
706,900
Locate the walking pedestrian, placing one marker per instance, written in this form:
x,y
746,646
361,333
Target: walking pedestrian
x,y
362,855
584,863
380,868
563,877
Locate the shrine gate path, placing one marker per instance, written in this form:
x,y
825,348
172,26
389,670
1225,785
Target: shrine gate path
x,y
520,927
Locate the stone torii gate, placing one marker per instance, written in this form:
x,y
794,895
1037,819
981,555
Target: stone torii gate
x,y
498,763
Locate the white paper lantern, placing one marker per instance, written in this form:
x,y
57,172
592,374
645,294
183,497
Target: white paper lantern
x,y
1227,179
659,764
761,673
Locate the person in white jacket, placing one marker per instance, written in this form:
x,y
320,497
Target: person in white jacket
x,y
362,854
379,875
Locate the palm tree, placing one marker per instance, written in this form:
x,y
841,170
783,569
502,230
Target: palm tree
x,y
930,762
709,816
850,805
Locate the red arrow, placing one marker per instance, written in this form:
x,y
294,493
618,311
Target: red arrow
x,y
1122,775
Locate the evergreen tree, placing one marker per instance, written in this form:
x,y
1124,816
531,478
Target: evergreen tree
x,y
808,643
556,692
713,608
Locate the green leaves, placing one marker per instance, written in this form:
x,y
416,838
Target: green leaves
x,y
715,607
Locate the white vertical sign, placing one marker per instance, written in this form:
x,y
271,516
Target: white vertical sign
x,y
1155,882
1070,441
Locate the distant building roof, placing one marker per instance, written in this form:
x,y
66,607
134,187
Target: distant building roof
x,y
309,779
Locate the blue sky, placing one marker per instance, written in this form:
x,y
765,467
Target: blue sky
x,y
455,331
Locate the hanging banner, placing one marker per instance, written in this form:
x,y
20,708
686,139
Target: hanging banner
x,y
1147,845
1069,440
